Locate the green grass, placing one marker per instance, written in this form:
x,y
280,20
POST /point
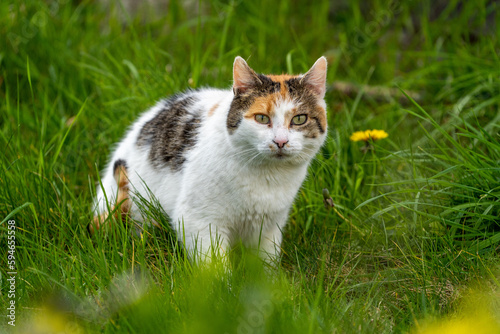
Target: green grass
x,y
416,223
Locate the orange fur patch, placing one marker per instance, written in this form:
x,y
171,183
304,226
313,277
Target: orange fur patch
x,y
262,105
321,114
212,110
122,201
281,79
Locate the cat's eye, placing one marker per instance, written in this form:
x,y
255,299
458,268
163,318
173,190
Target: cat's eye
x,y
262,119
299,119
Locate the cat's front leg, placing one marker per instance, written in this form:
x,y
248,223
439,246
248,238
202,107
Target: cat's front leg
x,y
204,242
270,245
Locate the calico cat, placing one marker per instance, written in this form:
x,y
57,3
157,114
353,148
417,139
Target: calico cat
x,y
225,165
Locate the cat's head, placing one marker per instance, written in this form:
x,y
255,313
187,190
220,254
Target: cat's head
x,y
278,117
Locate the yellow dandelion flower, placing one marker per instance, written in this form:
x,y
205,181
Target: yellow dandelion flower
x,y
359,135
476,315
368,134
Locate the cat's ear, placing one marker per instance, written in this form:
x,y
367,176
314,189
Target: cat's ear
x,y
315,78
243,76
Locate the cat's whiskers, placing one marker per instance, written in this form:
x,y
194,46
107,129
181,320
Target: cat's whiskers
x,y
240,154
312,156
307,154
249,161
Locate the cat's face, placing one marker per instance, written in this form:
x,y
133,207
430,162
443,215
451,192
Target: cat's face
x,y
278,117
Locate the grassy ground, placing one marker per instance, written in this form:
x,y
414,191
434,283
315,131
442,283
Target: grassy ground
x,y
411,244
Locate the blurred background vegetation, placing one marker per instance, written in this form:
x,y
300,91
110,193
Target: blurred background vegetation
x,y
415,227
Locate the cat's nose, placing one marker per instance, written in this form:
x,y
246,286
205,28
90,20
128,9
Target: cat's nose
x,y
280,142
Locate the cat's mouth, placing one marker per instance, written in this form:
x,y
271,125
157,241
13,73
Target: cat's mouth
x,y
281,155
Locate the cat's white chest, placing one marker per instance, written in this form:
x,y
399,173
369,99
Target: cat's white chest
x,y
271,190
219,187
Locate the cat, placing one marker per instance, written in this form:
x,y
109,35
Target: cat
x,y
225,165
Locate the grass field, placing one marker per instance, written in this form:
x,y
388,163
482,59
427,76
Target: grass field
x,y
411,245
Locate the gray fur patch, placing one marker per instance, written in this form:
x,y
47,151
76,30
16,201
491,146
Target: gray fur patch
x,y
308,105
171,132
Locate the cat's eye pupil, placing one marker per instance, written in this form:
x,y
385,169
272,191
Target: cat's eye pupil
x,y
262,119
299,119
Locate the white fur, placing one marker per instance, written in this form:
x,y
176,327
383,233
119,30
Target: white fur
x,y
231,187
